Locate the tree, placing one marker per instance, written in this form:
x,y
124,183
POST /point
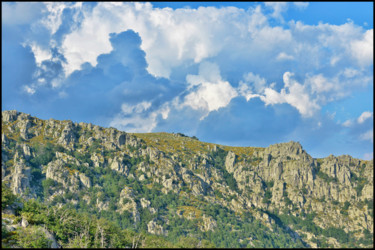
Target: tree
x,y
32,237
7,197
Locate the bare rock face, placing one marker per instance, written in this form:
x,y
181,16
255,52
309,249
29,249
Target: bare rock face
x,y
127,203
281,178
4,139
98,160
118,165
21,178
24,222
154,228
52,238
68,137
67,158
209,224
229,161
24,125
116,137
26,151
9,116
69,178
85,180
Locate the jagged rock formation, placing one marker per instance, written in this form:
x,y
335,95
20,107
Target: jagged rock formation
x,y
280,180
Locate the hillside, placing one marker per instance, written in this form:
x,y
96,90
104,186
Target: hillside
x,y
171,190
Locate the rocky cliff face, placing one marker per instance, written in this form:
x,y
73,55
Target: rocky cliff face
x,y
281,179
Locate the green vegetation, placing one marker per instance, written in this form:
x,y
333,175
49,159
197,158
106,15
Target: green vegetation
x,y
176,181
7,197
361,181
326,177
219,162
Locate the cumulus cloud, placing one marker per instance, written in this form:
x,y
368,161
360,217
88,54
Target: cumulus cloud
x,y
294,94
363,49
144,69
320,84
40,54
283,56
278,9
347,123
136,118
208,91
174,39
364,116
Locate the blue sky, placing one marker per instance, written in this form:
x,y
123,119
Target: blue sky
x,y
241,74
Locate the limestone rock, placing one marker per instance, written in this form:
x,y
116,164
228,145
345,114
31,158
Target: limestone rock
x,y
24,125
4,139
26,151
145,203
128,203
21,178
52,238
67,158
24,222
57,170
154,228
9,116
98,160
85,180
68,137
209,224
119,166
229,161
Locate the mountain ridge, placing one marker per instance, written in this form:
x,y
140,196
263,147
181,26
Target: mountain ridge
x,y
280,185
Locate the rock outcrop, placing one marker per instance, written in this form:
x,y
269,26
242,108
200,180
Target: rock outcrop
x,y
281,179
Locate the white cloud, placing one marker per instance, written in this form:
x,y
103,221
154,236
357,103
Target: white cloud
x,y
364,116
29,90
363,50
320,84
40,54
211,96
211,92
278,9
258,83
209,72
244,90
294,94
53,20
139,117
369,135
347,123
139,108
172,38
283,56
252,86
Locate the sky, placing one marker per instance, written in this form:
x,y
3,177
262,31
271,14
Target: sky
x,y
232,73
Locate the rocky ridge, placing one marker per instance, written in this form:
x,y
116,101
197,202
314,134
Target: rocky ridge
x,y
281,179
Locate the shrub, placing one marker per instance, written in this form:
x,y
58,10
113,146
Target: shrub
x,y
33,237
7,197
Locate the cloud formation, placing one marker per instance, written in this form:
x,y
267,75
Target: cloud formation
x,y
228,74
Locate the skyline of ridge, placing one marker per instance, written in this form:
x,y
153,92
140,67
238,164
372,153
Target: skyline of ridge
x,y
231,73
